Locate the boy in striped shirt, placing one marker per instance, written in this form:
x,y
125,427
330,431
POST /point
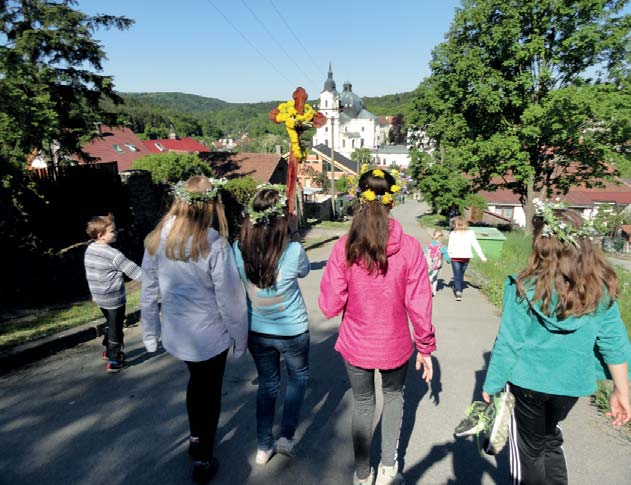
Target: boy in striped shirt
x,y
104,269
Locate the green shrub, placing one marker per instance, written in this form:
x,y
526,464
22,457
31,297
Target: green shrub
x,y
238,192
171,167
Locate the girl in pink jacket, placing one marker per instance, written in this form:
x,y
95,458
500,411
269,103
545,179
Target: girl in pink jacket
x,y
378,277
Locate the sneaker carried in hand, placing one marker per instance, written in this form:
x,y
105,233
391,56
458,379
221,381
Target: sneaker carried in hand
x,y
263,456
473,422
115,365
285,446
363,481
389,475
203,471
498,415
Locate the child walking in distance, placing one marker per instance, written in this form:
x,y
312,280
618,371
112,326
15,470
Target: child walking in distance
x,y
377,276
461,241
436,251
560,320
189,265
104,270
270,259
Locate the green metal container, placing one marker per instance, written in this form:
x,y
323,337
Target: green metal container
x,y
491,241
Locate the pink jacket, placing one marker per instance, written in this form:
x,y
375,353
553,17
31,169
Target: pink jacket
x,y
374,333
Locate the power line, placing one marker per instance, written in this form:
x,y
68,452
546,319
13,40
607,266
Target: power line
x,y
251,44
280,46
295,36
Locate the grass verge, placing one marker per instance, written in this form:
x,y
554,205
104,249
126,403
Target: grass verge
x,y
491,276
42,322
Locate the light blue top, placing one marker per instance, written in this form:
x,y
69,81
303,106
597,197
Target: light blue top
x,y
203,302
545,354
279,310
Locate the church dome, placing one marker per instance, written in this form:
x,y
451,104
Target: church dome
x,y
351,104
329,84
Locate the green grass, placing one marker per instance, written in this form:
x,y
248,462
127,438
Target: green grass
x,y
491,276
41,322
435,221
334,224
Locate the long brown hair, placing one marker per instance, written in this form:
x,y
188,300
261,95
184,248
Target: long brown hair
x,y
262,244
190,220
578,274
368,236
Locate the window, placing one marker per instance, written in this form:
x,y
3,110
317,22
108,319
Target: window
x,y
343,143
118,148
506,211
362,143
353,143
363,128
132,148
160,147
326,129
326,103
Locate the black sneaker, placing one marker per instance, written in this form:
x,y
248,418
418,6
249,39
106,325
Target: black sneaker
x,y
195,448
473,422
203,471
115,365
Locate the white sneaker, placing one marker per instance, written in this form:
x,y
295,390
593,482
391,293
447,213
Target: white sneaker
x,y
389,475
363,481
285,446
263,456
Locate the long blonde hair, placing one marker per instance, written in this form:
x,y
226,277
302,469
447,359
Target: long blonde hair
x,y
460,224
191,220
578,275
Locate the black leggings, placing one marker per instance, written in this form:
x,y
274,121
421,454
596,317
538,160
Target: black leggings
x,y
535,437
113,336
203,401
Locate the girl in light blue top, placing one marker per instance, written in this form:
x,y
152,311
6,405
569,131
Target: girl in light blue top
x,y
270,260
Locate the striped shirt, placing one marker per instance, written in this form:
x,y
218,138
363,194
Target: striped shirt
x,y
104,268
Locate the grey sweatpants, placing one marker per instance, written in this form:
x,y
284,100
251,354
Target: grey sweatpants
x,y
363,388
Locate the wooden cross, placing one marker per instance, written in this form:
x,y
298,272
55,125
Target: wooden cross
x,y
300,98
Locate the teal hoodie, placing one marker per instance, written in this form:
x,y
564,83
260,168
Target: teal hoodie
x,y
545,354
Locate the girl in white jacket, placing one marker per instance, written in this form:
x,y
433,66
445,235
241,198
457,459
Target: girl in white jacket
x,y
461,241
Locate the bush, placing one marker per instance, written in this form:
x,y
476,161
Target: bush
x,y
238,193
171,167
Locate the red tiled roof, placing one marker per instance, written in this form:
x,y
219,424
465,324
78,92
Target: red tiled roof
x,y
101,149
619,194
185,145
260,166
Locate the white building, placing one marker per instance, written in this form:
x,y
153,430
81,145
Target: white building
x,y
349,124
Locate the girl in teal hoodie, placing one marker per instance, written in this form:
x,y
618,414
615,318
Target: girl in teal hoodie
x,y
560,324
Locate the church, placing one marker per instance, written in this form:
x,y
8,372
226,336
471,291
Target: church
x,y
349,125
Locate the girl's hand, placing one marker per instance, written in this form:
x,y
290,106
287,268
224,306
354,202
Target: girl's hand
x,y
487,397
620,408
426,362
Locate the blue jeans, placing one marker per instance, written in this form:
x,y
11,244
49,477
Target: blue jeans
x,y
266,351
459,269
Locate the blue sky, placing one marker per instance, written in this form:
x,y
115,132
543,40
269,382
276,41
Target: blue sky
x,y
198,46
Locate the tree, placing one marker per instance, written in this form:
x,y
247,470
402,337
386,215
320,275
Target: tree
x,y
396,135
50,88
531,95
171,167
361,156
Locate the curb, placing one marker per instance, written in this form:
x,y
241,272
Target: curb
x,y
25,354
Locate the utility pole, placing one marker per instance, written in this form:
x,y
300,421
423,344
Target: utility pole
x,y
333,164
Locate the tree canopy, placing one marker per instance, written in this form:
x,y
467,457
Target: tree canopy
x,y
530,95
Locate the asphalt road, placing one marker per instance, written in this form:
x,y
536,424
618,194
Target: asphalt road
x,y
64,420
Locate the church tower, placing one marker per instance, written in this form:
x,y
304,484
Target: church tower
x,y
329,101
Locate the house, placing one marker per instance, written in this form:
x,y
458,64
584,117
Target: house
x,y
263,167
178,145
588,201
389,155
114,144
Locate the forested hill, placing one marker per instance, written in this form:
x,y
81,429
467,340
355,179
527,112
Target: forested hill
x,y
151,114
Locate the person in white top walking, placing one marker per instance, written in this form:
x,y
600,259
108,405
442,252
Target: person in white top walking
x,y
461,241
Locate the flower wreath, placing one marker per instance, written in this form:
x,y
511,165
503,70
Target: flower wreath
x,y
553,226
369,195
181,193
277,210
